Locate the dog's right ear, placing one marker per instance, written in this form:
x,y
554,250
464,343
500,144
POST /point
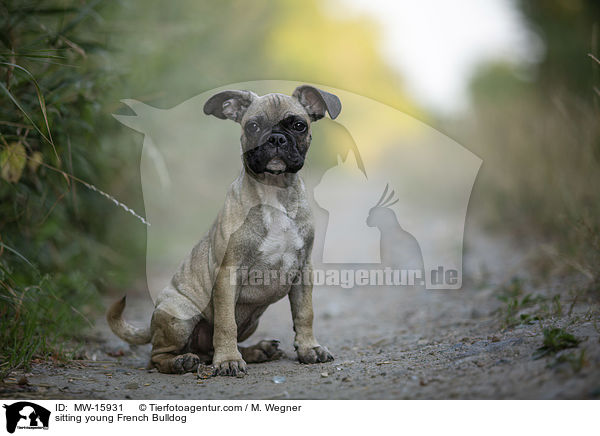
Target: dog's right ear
x,y
229,104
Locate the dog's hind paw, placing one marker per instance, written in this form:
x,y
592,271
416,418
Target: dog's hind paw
x,y
185,363
270,348
264,351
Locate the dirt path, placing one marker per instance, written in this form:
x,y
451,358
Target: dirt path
x,y
387,344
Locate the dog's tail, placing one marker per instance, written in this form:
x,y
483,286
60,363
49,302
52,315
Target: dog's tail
x,y
124,330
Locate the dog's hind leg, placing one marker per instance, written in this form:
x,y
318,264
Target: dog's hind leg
x,y
170,337
262,352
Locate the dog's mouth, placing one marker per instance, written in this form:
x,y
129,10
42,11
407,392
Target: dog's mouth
x,y
276,166
263,159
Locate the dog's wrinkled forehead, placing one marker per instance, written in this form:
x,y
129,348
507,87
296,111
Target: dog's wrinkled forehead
x,y
274,108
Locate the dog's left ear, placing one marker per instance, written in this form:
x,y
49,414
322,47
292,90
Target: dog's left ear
x,y
317,102
229,104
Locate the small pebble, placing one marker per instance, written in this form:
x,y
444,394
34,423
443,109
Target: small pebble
x,y
204,372
278,379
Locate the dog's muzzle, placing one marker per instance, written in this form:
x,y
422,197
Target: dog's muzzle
x,y
277,165
278,154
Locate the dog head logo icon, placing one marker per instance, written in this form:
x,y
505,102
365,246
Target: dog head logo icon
x,y
26,415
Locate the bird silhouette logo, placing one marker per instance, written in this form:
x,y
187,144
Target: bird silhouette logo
x,y
399,249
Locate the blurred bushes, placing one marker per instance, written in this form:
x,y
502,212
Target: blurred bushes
x,y
52,260
540,141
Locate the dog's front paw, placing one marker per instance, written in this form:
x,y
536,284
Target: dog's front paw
x,y
314,354
235,367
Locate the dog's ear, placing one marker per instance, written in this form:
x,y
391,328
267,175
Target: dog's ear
x,y
317,102
229,104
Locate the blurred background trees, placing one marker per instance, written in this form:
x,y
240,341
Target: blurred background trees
x,y
540,140
65,64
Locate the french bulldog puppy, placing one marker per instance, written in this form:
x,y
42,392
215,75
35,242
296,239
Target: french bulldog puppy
x,y
265,225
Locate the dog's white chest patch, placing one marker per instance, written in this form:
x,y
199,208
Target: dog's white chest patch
x,y
282,241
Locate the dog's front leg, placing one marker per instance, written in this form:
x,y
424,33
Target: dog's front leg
x,y
307,347
227,359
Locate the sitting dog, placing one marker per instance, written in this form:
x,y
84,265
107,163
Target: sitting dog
x,y
265,225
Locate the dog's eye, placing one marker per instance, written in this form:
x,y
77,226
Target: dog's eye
x,y
299,126
252,127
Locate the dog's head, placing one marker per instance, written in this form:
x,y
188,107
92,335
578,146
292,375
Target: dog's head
x,y
275,127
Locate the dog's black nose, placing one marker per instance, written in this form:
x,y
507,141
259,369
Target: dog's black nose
x,y
277,139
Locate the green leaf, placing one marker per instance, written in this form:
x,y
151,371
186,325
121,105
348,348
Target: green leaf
x,y
12,162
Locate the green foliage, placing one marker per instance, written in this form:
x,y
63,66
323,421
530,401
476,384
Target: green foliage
x,y
567,31
556,339
521,307
41,316
52,80
518,304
